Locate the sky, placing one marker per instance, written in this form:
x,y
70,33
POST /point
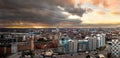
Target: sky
x,y
45,13
103,12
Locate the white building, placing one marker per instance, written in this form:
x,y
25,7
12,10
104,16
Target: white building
x,y
103,39
72,46
100,40
92,43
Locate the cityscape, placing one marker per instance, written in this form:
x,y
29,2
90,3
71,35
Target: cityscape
x,y
60,42
59,29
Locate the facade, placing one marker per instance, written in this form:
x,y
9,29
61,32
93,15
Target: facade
x,y
82,45
100,40
92,43
103,39
7,45
63,45
72,46
14,48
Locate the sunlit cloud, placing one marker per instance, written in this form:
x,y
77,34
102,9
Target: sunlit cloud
x,y
115,13
66,13
100,12
61,8
94,18
73,17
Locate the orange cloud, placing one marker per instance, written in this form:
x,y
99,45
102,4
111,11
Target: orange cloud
x,y
95,2
100,12
110,4
115,13
103,3
113,4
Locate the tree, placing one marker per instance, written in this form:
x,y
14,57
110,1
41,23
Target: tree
x,y
88,56
109,55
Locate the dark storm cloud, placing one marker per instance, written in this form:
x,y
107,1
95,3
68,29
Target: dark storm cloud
x,y
36,11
